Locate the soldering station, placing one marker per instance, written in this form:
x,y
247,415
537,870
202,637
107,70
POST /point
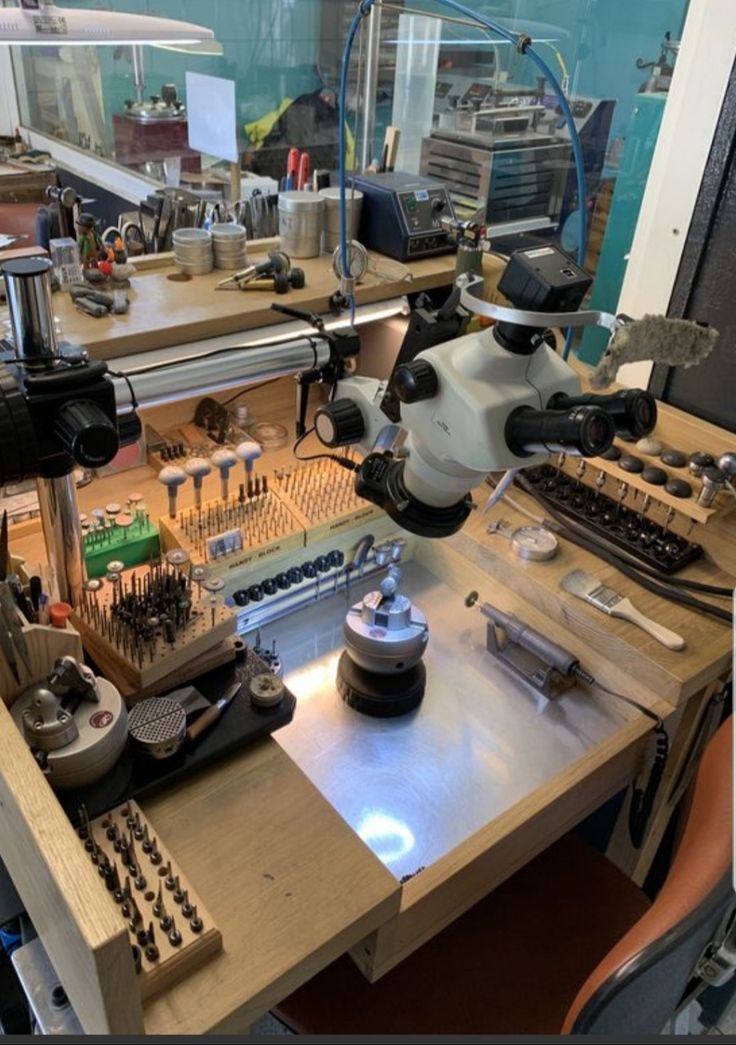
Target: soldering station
x,y
366,542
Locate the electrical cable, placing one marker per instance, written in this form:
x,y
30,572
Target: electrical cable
x,y
344,462
642,798
524,45
249,388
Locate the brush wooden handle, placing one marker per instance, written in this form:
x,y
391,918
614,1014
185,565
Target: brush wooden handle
x,y
627,611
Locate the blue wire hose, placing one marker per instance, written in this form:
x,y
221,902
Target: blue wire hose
x,y
524,45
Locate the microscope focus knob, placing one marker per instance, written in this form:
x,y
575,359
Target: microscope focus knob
x,y
339,423
416,381
87,433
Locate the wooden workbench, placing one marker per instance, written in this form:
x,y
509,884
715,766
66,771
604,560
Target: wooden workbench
x,y
165,312
285,878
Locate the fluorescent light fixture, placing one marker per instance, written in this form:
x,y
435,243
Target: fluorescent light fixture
x,y
38,22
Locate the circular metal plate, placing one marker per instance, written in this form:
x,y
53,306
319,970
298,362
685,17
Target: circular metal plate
x,y
534,543
266,690
213,584
177,557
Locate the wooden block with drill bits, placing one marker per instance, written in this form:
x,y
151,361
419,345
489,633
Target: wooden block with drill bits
x,y
143,625
298,505
322,496
171,932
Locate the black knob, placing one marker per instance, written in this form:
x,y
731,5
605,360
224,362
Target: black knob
x,y
336,558
255,593
87,433
270,587
339,423
309,569
295,575
416,381
241,597
282,580
438,205
322,563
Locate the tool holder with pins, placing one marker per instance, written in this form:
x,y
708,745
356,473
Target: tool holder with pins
x,y
128,535
171,932
147,624
683,436
322,496
634,520
246,527
297,506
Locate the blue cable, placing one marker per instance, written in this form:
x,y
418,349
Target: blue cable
x,y
518,40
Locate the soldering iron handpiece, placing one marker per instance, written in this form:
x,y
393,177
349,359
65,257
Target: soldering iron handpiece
x,y
562,660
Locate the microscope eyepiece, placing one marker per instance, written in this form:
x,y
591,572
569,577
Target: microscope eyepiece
x,y
633,410
584,430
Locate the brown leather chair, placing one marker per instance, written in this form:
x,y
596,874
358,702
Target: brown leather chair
x,y
567,945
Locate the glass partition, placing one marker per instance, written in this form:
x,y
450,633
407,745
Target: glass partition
x,y
471,109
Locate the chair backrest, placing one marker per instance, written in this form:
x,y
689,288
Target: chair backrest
x,y
635,989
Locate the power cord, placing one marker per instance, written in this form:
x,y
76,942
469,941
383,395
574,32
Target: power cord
x,y
642,798
344,462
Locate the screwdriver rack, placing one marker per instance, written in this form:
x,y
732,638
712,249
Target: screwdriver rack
x,y
628,526
149,624
171,932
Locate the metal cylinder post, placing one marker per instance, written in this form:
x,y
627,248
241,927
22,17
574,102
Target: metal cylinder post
x,y
28,289
57,499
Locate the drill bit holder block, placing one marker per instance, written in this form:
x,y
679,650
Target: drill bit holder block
x,y
322,496
131,545
150,624
171,932
232,534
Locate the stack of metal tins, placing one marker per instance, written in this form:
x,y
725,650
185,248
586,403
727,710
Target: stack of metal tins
x,y
229,243
193,251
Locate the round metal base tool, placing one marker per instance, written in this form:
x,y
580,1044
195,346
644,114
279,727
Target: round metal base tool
x,y
381,696
386,634
534,543
157,727
266,691
380,673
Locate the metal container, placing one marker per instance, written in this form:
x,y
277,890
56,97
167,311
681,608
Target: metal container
x,y
28,289
331,230
193,251
301,216
229,246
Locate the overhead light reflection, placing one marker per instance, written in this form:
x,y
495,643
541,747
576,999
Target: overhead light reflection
x,y
388,837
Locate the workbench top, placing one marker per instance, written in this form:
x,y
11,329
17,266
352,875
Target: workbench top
x,y
165,312
290,883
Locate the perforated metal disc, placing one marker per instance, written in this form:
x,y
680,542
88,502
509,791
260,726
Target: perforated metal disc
x,y
177,557
213,584
157,725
